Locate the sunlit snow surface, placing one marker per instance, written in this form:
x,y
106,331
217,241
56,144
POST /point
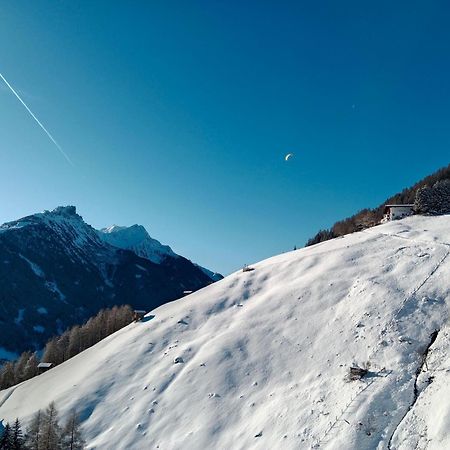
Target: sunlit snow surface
x,y
265,355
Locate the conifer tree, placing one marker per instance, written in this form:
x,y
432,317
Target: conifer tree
x,y
6,441
18,441
72,438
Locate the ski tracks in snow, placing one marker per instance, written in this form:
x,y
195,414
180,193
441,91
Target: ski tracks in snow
x,y
353,403
7,395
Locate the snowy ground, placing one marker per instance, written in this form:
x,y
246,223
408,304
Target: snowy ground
x,y
265,355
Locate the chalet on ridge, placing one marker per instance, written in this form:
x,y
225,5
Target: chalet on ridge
x,y
395,212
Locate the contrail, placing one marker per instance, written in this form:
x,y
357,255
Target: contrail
x,y
38,122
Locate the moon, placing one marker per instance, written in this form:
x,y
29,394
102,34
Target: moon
x,y
288,156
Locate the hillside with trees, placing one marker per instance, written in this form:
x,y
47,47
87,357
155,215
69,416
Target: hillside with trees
x,y
431,195
61,348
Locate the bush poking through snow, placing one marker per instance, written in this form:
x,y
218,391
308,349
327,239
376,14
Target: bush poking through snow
x,y
356,373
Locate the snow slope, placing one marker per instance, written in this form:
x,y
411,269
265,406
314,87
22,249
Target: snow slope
x,y
265,355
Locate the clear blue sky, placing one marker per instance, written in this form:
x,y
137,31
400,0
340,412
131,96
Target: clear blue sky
x,y
177,115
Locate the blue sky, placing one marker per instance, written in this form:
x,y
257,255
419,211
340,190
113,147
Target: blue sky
x,y
177,115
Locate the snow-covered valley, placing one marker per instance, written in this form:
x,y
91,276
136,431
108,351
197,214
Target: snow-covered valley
x,y
260,359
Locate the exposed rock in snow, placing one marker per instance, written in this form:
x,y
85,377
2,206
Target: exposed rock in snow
x,y
298,322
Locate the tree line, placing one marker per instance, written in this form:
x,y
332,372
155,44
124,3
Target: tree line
x,y
69,344
44,433
429,196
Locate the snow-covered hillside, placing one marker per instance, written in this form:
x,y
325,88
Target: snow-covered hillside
x,y
263,355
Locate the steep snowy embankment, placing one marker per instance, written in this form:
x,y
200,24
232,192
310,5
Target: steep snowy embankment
x,y
265,355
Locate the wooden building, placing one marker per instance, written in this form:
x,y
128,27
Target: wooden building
x,y
44,366
139,314
396,212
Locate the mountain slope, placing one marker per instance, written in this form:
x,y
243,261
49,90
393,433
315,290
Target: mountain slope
x,y
56,270
264,355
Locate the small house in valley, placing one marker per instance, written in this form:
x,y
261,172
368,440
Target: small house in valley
x,y
44,366
396,212
139,314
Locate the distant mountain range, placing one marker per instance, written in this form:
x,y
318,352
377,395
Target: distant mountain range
x,y
56,270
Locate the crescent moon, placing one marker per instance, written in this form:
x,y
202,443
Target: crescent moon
x,y
288,156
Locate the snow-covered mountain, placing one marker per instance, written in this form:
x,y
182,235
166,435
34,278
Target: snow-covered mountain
x,y
260,359
137,239
56,270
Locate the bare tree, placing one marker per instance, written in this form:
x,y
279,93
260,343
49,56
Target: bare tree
x,y
7,375
33,437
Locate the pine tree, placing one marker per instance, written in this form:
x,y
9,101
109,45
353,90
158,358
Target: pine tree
x,y
34,433
18,441
51,431
6,441
433,200
72,438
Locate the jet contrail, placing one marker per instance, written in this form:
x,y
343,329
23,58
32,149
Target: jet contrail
x,y
37,120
